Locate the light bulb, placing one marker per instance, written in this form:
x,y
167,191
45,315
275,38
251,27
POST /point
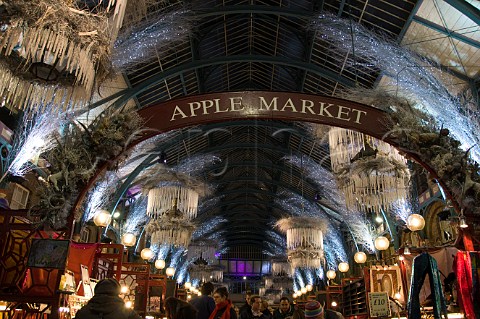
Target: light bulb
x,y
382,243
129,239
331,274
188,285
304,290
146,254
102,218
343,267
170,271
360,257
415,222
378,219
309,287
124,290
160,264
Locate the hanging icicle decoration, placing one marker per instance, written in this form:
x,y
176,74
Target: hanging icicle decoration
x,y
175,231
281,268
304,241
371,173
160,201
205,249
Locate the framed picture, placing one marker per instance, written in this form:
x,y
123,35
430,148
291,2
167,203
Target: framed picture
x,y
48,253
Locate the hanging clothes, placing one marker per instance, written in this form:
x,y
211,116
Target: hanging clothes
x,y
467,272
422,265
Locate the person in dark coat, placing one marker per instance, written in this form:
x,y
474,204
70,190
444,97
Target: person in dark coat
x,y
204,303
223,306
246,307
179,309
106,304
284,310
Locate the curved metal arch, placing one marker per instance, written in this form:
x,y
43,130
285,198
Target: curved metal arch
x,y
175,71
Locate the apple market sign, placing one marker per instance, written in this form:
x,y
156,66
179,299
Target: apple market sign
x,y
285,106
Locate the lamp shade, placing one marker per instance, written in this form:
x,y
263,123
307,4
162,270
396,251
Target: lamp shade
x,y
382,243
146,254
343,267
331,274
360,257
159,263
102,218
170,271
129,239
415,222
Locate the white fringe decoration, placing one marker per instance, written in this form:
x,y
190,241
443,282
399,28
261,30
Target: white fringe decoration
x,y
281,268
372,182
203,249
217,275
170,231
298,238
34,42
304,241
305,259
20,93
278,282
160,201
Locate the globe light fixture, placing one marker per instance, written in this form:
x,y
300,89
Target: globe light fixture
x,y
343,267
304,290
124,290
102,218
128,304
331,274
146,254
129,239
309,287
170,272
415,222
188,285
294,295
360,257
160,264
382,243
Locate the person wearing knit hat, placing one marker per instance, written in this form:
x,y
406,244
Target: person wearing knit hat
x,y
313,309
106,304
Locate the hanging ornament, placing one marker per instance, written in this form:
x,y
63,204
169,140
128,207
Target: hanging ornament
x,y
371,173
173,228
160,201
204,248
281,268
304,241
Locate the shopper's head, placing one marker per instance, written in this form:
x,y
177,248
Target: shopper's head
x,y
284,304
207,289
314,310
220,295
109,286
255,302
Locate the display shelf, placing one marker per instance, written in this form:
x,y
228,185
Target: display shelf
x,y
354,297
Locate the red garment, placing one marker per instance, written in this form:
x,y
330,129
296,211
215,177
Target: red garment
x,y
463,272
227,304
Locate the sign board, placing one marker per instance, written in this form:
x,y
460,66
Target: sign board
x,y
378,304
